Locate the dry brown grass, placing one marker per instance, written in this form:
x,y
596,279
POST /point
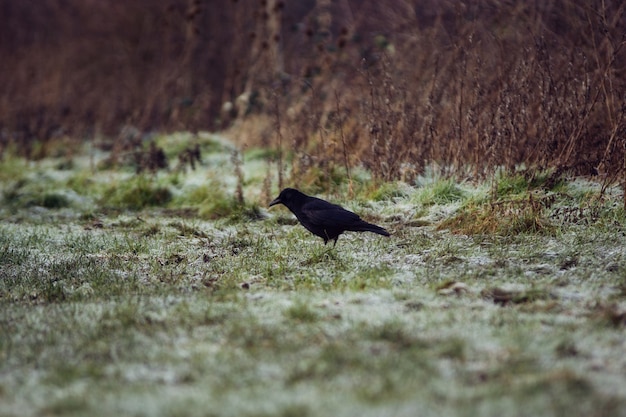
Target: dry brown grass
x,y
467,89
394,86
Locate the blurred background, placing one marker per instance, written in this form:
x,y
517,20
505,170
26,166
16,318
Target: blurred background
x,y
392,85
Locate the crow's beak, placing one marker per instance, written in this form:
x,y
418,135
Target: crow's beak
x,y
275,201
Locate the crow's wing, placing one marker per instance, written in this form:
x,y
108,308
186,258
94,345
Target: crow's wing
x,y
323,214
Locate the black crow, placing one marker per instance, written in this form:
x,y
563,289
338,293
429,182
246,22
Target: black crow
x,y
322,218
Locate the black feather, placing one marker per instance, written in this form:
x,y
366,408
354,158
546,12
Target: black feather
x,y
322,218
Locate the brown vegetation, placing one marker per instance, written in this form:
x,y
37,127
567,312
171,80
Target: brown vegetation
x,y
395,86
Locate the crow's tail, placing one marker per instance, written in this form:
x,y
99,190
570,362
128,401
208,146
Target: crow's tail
x,y
364,226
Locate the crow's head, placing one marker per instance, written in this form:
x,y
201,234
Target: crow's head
x,y
289,197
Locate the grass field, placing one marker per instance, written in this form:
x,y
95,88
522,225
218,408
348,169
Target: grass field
x,y
157,295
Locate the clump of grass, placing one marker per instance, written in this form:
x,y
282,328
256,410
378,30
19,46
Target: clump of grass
x,y
396,333
81,182
332,360
504,219
67,405
612,314
514,208
177,144
557,382
253,154
185,229
13,193
13,256
440,192
511,185
322,255
218,208
387,191
136,193
503,297
225,206
212,202
302,312
370,278
520,183
11,167
317,179
452,348
27,193
246,212
54,200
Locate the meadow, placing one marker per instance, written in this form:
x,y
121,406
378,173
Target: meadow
x,y
126,290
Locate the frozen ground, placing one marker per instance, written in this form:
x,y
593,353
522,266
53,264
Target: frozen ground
x,y
109,311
